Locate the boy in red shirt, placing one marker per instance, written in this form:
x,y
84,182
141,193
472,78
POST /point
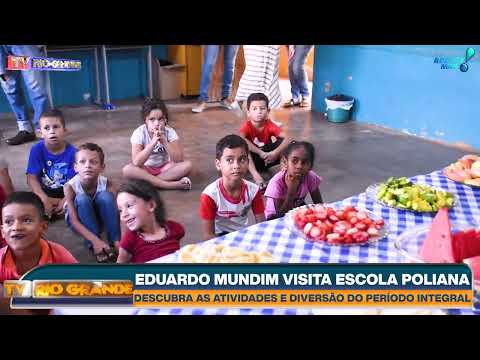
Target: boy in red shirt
x,y
265,140
24,224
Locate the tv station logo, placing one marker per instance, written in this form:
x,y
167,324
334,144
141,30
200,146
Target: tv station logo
x,y
67,288
42,64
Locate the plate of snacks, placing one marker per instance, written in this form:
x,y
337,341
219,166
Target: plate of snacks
x,y
209,253
335,224
465,171
401,193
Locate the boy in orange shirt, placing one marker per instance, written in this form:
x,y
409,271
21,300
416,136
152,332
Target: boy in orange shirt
x,y
24,225
265,139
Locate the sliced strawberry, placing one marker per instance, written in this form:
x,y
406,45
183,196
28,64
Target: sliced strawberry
x,y
361,215
348,239
351,214
315,232
378,227
344,224
333,218
360,226
352,231
307,228
368,221
379,222
332,237
330,211
372,231
360,236
340,214
353,220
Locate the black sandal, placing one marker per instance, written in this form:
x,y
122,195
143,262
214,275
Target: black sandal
x,y
102,257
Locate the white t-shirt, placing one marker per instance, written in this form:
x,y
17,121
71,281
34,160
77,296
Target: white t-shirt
x,y
159,155
230,214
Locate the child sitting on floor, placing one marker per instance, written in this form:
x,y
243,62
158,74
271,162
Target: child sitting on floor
x,y
90,203
6,188
23,227
149,235
289,187
225,203
265,139
50,164
157,154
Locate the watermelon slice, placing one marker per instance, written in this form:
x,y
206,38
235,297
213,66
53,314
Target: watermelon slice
x,y
474,263
468,243
438,247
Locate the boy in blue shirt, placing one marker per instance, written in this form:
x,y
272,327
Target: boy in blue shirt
x,y
51,163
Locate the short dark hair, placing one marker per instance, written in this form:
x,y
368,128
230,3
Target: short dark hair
x,y
231,142
257,97
27,198
55,113
92,147
309,148
153,104
146,191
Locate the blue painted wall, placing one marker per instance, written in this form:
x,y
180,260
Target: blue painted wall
x,y
401,87
127,76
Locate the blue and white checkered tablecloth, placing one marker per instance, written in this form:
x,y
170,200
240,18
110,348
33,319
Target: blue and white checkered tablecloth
x,y
287,247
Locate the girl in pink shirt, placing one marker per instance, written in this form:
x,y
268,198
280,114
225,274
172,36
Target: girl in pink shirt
x,y
149,235
290,186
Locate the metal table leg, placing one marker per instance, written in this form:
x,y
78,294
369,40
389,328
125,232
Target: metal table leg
x,y
97,76
49,86
150,77
107,105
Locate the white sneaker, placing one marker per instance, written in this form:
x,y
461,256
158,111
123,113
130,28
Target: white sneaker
x,y
235,105
226,104
200,107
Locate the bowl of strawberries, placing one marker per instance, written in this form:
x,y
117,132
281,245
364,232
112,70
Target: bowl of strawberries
x,y
335,224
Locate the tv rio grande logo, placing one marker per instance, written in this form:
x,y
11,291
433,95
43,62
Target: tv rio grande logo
x,y
457,62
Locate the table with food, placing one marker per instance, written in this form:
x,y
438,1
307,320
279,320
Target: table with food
x,y
431,218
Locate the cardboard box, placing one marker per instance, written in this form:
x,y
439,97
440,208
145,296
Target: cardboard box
x,y
167,80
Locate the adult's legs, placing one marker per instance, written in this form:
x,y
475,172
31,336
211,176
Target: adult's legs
x,y
298,69
229,56
108,212
15,97
209,58
35,82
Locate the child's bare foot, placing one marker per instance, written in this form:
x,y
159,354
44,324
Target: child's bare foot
x,y
183,184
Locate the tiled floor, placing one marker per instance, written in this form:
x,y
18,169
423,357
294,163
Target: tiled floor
x,y
350,156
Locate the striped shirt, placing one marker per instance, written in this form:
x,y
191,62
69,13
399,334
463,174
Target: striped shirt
x,y
261,73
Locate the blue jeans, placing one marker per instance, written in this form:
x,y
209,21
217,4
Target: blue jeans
x,y
297,73
97,212
209,58
35,83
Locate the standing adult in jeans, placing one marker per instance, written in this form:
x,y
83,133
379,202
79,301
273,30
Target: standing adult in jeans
x,y
209,58
297,55
35,83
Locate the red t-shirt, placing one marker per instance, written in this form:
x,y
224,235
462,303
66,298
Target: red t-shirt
x,y
260,137
143,251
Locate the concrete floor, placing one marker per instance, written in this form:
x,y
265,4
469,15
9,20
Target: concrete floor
x,y
350,156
